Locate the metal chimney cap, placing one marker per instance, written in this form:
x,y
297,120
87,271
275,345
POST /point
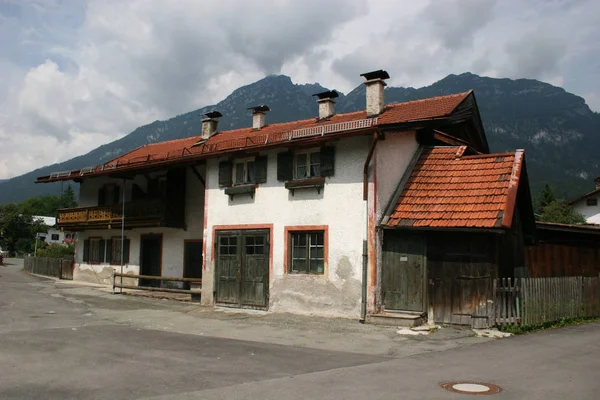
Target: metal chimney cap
x,y
379,74
259,109
213,114
330,94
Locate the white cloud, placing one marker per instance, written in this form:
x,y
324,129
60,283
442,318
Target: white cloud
x,y
76,75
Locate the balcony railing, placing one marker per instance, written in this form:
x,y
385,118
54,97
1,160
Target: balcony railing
x,y
143,213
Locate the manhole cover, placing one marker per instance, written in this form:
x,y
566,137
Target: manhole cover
x,y
471,387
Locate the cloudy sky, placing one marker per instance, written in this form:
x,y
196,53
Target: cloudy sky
x,y
75,74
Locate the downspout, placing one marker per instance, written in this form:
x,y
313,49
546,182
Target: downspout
x,y
365,255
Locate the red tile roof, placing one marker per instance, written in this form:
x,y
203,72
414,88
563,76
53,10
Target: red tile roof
x,y
246,138
448,190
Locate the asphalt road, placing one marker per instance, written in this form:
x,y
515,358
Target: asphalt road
x,y
54,347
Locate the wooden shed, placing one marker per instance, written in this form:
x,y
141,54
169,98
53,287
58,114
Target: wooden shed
x,y
564,250
457,222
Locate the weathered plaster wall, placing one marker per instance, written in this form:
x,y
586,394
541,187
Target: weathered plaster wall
x,y
339,206
172,244
591,213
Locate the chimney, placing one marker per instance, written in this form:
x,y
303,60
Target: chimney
x,y
259,116
209,124
326,103
375,84
597,182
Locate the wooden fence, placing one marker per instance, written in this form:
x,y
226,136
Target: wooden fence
x,y
54,267
529,301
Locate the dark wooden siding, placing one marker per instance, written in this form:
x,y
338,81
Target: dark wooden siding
x,y
461,269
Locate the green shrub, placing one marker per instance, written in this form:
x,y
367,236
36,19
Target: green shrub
x,y
57,251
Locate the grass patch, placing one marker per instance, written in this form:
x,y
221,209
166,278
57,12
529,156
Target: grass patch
x,y
517,330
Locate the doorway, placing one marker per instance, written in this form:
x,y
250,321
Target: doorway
x,y
192,260
243,268
403,275
150,258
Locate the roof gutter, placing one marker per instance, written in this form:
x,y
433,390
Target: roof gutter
x,y
365,255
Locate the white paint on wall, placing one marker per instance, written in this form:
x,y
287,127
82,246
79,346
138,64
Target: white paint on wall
x,y
590,213
393,155
339,206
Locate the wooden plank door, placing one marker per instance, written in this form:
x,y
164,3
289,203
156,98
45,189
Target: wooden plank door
x,y
403,271
192,260
243,268
151,259
228,265
255,270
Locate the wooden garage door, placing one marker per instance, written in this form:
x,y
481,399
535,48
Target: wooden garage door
x,y
243,268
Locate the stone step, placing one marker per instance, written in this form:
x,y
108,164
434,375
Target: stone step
x,y
397,319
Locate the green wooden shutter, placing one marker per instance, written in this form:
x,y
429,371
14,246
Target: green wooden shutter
x,y
86,250
327,161
260,169
109,258
285,166
225,173
126,251
102,252
101,196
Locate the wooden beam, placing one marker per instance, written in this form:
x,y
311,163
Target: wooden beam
x,y
200,178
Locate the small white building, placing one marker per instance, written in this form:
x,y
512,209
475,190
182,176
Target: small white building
x,y
282,217
588,204
53,235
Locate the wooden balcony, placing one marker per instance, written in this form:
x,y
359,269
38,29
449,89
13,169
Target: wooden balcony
x,y
150,213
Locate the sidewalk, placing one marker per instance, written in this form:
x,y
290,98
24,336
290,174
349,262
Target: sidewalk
x,y
160,312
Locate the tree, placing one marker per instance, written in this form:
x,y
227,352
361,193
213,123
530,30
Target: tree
x,y
561,213
19,229
552,209
67,200
545,198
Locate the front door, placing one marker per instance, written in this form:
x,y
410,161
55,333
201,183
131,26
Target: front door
x,y
192,260
243,268
150,259
403,271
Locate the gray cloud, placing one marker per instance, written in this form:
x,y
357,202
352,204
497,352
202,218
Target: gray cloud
x,y
455,22
536,54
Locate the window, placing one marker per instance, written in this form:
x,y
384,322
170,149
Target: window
x,y
55,236
307,165
244,171
307,252
113,252
95,250
109,194
592,201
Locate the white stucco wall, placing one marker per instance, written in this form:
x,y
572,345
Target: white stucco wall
x,y
591,213
392,157
339,206
172,239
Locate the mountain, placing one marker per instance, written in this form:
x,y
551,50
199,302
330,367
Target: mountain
x,y
558,131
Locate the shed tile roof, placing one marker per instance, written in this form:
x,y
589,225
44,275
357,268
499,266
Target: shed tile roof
x,y
247,138
446,189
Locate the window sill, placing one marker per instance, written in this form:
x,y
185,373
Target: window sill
x,y
231,191
307,183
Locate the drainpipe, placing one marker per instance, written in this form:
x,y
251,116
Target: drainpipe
x,y
123,233
365,255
